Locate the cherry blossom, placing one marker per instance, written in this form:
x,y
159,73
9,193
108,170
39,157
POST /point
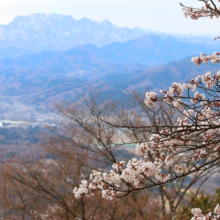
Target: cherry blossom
x,y
195,139
208,10
198,214
150,99
173,150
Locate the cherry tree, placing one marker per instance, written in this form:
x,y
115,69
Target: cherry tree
x,y
187,147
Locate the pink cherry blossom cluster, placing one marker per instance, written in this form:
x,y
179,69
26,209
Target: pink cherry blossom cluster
x,y
177,150
198,214
166,147
134,173
171,148
198,97
194,138
173,95
204,58
200,124
195,14
206,11
175,90
188,132
150,99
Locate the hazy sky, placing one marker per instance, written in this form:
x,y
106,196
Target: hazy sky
x,y
161,15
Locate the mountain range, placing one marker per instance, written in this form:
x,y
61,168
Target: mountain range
x,y
55,32
90,62
40,32
52,57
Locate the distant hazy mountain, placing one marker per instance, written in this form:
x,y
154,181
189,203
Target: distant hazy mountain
x,y
38,87
54,32
162,77
61,32
154,50
193,39
90,62
186,38
52,57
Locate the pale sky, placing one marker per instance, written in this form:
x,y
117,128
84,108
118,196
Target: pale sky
x,y
161,15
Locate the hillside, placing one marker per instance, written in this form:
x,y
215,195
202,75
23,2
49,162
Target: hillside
x,y
39,87
90,62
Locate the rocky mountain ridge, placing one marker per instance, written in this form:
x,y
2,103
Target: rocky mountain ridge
x,y
61,32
